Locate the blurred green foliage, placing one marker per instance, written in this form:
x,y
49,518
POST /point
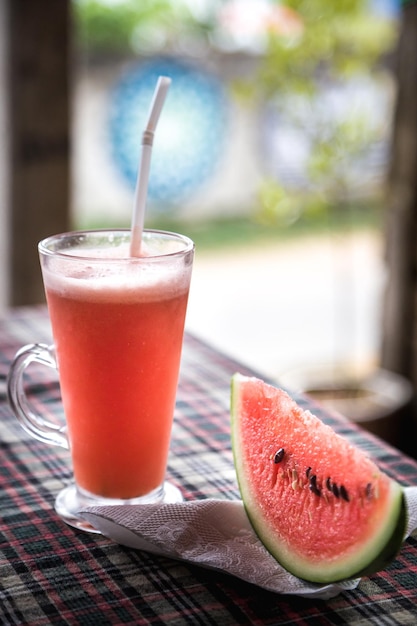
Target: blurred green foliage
x,y
339,37
125,27
239,231
339,42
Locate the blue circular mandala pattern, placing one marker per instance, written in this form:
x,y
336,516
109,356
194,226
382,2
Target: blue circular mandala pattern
x,y
190,135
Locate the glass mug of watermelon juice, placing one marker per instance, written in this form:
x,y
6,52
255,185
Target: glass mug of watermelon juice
x,y
117,323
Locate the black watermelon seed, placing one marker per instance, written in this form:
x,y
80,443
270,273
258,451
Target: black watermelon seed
x,y
313,485
308,470
279,455
329,484
344,494
335,490
368,490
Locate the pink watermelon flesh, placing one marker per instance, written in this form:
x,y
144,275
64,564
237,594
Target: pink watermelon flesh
x,y
320,506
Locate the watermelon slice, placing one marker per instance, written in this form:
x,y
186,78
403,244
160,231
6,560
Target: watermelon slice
x,y
321,507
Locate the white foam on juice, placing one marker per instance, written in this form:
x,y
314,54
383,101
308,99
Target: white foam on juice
x,y
124,280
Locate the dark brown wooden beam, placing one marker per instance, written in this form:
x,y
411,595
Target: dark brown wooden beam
x,y
39,129
399,350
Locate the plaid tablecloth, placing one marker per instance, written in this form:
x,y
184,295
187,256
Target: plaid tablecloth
x,y
53,574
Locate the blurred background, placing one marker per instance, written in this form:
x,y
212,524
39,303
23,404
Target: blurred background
x,y
273,164
277,151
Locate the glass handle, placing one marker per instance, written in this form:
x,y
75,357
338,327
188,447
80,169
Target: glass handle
x,y
32,422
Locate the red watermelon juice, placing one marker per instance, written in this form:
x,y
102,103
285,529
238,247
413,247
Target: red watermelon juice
x,y
118,328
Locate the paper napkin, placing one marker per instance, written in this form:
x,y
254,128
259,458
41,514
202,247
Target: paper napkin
x,y
216,534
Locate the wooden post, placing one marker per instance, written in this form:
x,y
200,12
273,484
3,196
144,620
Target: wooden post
x,y
4,158
399,349
39,131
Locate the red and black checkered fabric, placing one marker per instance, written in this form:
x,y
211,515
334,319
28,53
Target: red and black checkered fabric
x,y
53,574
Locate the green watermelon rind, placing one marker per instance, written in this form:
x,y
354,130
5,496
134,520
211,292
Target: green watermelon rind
x,y
378,553
393,544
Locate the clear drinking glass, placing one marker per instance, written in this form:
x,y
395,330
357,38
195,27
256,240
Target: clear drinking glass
x,y
117,324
